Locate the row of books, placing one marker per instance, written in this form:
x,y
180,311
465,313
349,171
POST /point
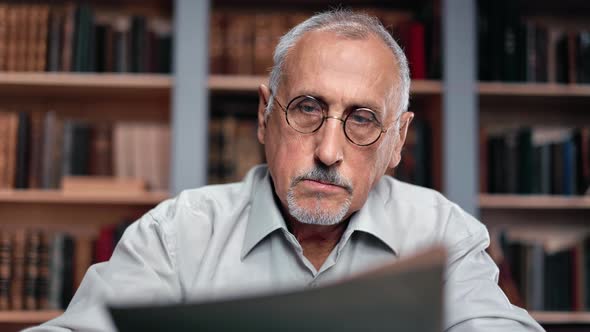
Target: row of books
x,y
39,148
36,269
50,36
532,49
537,160
233,147
242,41
545,269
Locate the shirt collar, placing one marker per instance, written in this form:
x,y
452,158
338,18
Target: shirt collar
x,y
265,217
373,218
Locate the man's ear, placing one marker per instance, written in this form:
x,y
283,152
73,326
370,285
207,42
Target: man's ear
x,y
263,98
405,120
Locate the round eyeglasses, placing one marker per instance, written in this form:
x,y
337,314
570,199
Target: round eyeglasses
x,y
306,115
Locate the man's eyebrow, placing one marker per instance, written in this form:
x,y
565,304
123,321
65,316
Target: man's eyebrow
x,y
352,105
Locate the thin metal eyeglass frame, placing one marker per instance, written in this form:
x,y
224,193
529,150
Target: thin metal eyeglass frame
x,y
325,117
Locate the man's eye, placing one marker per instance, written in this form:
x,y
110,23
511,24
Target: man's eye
x,y
361,119
309,108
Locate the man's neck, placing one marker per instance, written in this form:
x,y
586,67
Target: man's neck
x,y
317,241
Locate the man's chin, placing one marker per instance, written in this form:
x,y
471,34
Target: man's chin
x,y
318,214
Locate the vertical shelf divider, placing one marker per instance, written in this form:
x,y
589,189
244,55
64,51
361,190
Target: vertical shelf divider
x,y
460,115
190,104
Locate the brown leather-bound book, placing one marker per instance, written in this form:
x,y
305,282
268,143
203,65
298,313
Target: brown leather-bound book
x,y
42,283
36,149
41,37
216,42
3,34
101,150
3,148
11,36
11,141
22,34
18,270
53,136
5,269
68,37
239,43
33,241
29,51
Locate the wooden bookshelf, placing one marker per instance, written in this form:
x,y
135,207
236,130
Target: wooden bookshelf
x,y
533,89
495,201
557,317
60,197
85,84
28,317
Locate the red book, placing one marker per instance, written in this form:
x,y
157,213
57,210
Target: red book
x,y
415,51
105,244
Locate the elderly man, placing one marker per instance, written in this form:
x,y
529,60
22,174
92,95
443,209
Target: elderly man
x,y
333,120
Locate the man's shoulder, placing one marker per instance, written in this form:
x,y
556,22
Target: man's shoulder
x,y
210,202
429,213
394,191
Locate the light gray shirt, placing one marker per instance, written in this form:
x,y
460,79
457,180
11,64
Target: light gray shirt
x,y
231,240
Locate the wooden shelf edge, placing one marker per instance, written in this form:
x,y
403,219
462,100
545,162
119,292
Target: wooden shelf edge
x,y
501,201
249,83
28,317
59,197
561,317
87,80
533,89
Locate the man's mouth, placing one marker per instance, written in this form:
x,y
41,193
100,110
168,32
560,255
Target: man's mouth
x,y
324,185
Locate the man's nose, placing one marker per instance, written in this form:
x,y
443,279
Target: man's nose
x,y
330,142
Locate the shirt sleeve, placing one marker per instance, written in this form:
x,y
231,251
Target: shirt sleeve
x,y
132,275
473,300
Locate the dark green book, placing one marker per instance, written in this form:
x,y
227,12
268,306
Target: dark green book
x,y
525,161
138,44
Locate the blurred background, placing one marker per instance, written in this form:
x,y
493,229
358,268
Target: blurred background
x,y
109,107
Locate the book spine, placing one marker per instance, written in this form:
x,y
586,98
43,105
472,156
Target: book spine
x,y
3,149
3,35
42,287
69,38
5,269
41,38
11,149
18,270
22,150
31,270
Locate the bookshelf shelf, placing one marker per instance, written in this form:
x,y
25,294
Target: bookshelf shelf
x,y
59,197
28,317
244,83
496,201
557,317
84,84
534,90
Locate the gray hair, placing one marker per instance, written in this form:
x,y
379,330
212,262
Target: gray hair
x,y
349,25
